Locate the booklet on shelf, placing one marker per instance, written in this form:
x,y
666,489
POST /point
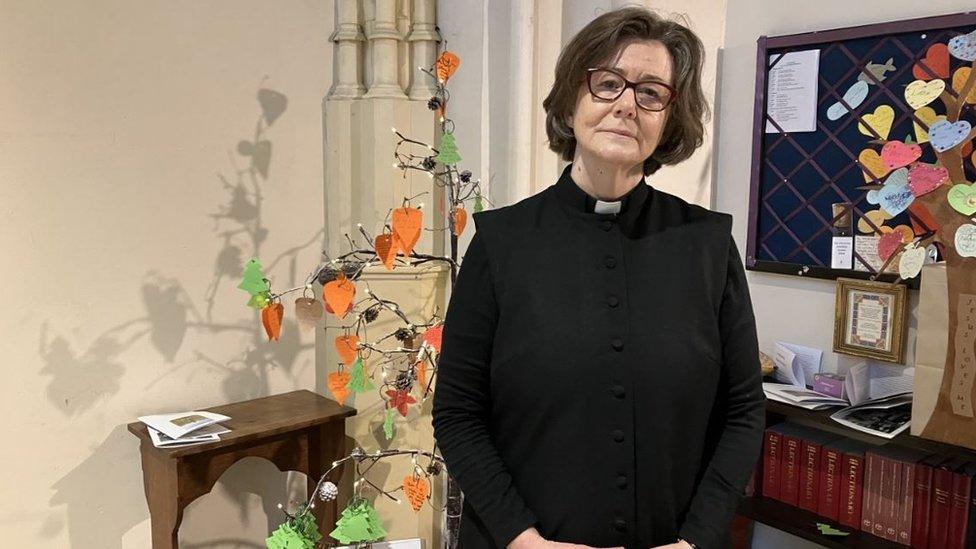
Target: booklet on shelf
x,y
177,426
871,382
886,417
796,364
210,433
802,397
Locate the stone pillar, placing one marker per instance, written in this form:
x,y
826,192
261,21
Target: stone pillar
x,y
349,40
423,46
384,39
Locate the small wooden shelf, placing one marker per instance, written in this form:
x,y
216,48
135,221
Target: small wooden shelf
x,y
801,523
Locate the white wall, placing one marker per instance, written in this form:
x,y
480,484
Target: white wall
x,y
119,121
787,308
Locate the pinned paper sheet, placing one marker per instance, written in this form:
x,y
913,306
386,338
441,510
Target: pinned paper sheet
x,y
925,178
896,154
911,261
866,246
920,93
872,165
888,244
965,240
962,198
877,70
796,364
791,98
895,196
945,135
963,46
842,252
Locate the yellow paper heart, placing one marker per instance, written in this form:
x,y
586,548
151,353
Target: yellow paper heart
x,y
928,117
871,162
880,120
959,80
920,93
878,217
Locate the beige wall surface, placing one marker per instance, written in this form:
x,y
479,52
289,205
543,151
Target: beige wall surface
x,y
127,212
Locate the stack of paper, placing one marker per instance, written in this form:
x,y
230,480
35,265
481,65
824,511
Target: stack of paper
x,y
185,428
802,397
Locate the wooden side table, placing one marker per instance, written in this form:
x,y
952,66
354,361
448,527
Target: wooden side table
x,y
297,431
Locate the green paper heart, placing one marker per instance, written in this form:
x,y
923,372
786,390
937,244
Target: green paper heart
x,y
962,198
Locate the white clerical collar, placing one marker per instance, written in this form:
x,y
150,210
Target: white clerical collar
x,y
607,207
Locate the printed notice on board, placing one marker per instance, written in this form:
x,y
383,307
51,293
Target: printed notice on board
x,y
791,95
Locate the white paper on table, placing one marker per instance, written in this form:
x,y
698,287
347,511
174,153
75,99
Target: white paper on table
x,y
796,364
865,382
791,92
179,425
842,252
413,543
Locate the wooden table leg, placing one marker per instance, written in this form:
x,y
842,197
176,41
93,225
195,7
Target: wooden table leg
x,y
325,446
159,476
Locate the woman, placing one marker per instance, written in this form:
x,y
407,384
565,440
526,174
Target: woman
x,y
599,380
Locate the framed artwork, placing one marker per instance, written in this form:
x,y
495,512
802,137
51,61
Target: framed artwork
x,y
870,319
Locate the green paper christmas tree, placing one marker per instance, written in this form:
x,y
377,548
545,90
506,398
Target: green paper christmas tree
x,y
358,382
388,425
448,153
256,284
358,523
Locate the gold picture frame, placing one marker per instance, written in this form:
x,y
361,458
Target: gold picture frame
x,y
870,319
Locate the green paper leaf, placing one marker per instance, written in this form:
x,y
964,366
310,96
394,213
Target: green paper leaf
x,y
388,425
447,152
477,203
259,301
285,537
253,280
358,382
829,530
359,522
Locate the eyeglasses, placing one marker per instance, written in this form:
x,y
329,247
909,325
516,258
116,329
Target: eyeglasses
x,y
608,84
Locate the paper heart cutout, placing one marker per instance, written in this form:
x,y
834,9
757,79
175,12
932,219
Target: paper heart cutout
x,y
447,63
925,178
880,120
945,135
878,217
271,318
965,240
888,244
936,60
416,488
959,80
911,261
385,250
895,196
896,154
337,383
962,198
963,46
920,93
347,346
928,117
338,294
872,165
308,311
854,96
907,235
407,223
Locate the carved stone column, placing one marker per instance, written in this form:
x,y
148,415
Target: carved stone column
x,y
384,41
423,46
348,39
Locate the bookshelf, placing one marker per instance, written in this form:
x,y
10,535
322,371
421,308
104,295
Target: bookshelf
x,y
802,523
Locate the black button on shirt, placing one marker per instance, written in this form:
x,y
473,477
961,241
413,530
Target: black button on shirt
x,y
528,386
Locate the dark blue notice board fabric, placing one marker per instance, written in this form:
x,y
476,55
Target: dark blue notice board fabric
x,y
803,204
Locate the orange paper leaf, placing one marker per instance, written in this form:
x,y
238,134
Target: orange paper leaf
x,y
433,336
346,346
421,369
338,295
417,489
385,250
337,386
407,223
271,318
460,220
447,63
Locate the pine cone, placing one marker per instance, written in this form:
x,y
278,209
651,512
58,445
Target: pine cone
x,y
465,176
328,491
434,103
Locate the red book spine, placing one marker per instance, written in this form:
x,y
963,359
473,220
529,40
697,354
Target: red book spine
x,y
790,479
829,494
809,476
772,451
884,526
872,478
907,501
958,511
851,491
941,494
922,506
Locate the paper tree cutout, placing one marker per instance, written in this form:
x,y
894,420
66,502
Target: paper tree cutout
x,y
255,284
448,153
359,523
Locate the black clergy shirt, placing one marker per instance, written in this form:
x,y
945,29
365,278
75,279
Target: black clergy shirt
x,y
599,373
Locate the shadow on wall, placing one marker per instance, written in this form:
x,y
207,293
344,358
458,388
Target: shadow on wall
x,y
104,494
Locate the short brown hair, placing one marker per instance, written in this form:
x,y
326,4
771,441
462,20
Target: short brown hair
x,y
604,38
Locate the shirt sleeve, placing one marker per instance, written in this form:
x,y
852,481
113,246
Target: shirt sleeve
x,y
462,403
743,415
